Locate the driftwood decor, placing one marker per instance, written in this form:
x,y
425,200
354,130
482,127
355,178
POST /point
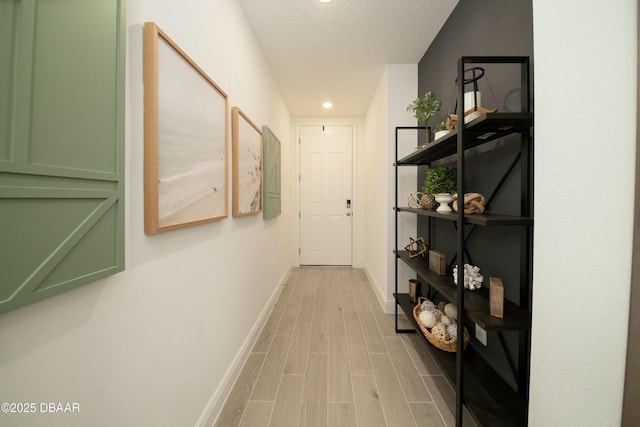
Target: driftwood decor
x,y
473,203
496,297
185,138
452,119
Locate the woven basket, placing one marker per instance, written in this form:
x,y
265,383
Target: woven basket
x,y
450,345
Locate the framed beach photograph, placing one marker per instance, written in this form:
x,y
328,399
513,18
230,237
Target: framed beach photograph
x,y
246,140
185,138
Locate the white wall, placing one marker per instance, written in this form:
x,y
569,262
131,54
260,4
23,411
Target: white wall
x,y
157,344
375,163
585,118
396,90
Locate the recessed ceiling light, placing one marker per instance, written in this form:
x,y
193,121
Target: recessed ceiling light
x,y
326,1
327,105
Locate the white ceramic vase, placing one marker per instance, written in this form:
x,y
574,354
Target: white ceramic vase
x,y
440,134
444,199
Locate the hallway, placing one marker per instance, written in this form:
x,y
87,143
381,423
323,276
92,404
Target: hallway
x,y
328,356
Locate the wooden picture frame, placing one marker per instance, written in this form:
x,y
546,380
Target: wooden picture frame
x,y
185,138
272,185
247,164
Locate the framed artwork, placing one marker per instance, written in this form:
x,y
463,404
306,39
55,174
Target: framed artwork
x,y
272,174
185,138
247,164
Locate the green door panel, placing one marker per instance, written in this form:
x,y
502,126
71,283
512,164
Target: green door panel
x,y
61,146
91,250
74,70
272,174
9,16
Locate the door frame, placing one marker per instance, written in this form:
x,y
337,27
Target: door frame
x,y
356,209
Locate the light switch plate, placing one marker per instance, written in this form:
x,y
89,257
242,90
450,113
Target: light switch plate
x,y
481,335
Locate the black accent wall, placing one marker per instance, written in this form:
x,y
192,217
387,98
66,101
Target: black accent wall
x,y
479,28
483,28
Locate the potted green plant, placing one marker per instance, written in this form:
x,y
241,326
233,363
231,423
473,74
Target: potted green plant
x,y
440,131
424,108
442,183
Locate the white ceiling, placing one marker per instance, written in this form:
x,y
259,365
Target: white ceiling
x,y
336,52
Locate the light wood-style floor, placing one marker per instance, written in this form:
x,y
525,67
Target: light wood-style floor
x,y
328,356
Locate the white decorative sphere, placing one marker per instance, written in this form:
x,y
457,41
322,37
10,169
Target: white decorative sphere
x,y
446,320
451,310
452,330
428,319
440,332
427,305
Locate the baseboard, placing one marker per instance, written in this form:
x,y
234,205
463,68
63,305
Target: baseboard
x,y
387,305
219,397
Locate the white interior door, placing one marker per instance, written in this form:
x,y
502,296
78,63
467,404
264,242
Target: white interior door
x,y
325,195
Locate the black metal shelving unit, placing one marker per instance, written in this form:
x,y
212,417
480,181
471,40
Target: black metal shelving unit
x,y
479,388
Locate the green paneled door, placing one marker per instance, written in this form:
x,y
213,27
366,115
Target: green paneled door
x,y
61,146
272,174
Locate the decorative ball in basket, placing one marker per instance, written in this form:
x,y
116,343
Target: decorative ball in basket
x,y
438,325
